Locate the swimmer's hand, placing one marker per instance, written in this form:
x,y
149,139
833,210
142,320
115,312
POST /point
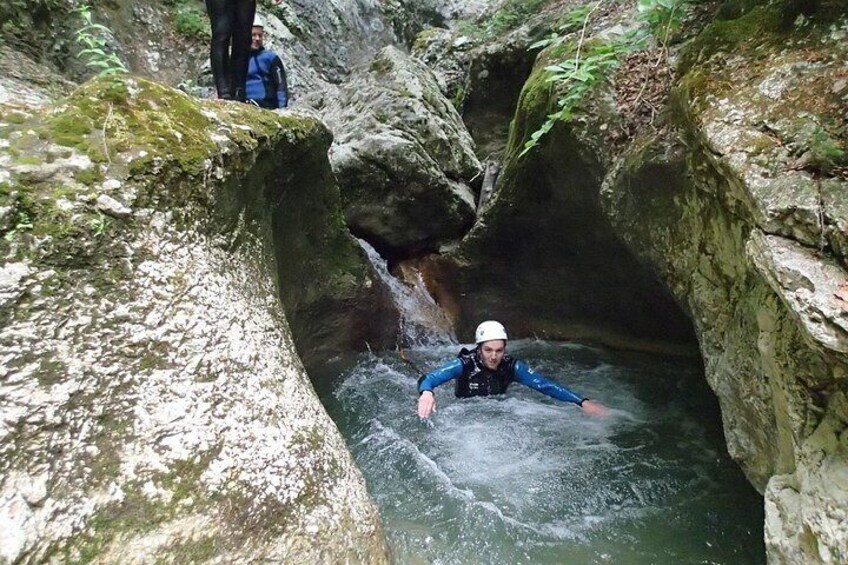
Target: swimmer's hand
x,y
427,404
591,407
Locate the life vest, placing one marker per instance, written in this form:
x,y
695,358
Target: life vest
x,y
477,380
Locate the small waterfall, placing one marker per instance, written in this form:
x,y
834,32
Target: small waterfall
x,y
422,322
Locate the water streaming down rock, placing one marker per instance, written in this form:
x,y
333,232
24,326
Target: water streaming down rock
x,y
422,322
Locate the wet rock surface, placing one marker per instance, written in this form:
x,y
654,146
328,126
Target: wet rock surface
x,y
731,204
755,253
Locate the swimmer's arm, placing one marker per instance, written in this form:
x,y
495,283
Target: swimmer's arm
x,y
426,384
528,377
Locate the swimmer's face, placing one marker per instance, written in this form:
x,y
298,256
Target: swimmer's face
x,y
492,353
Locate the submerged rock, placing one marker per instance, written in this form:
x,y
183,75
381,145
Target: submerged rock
x,y
154,406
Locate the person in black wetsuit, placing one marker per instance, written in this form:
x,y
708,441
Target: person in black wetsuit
x,y
231,21
487,370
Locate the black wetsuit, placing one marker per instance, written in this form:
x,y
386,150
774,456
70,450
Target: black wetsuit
x,y
232,22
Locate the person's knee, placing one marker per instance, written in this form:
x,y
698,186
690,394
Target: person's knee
x,y
221,33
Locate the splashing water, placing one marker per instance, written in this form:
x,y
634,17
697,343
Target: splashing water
x,y
526,479
422,322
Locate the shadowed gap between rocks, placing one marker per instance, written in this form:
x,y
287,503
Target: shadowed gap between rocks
x,y
333,306
547,263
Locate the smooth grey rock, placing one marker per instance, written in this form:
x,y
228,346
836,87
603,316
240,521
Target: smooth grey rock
x,y
402,155
739,215
112,207
11,275
17,527
153,404
808,284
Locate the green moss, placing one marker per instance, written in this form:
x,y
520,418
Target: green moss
x,y
71,131
511,15
381,65
136,513
762,24
50,372
824,152
103,115
133,515
192,551
536,101
422,40
148,362
28,160
15,118
89,177
183,481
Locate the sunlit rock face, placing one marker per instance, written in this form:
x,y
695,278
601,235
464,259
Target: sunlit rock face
x,y
154,406
402,155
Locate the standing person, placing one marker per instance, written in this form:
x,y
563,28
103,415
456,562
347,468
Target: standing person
x,y
230,47
487,370
266,75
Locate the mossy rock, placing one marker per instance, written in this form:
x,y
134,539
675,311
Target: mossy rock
x,y
128,209
167,145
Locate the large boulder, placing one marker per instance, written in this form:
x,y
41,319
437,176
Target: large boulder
x,y
740,209
331,37
154,406
727,205
402,155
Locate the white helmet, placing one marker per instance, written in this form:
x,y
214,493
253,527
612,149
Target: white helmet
x,y
490,330
257,22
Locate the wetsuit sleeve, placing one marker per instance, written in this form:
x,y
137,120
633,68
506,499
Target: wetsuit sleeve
x,y
526,376
441,375
278,79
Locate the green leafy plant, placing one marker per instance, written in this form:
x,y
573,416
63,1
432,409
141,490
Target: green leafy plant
x,y
92,37
660,15
99,225
24,223
573,77
592,62
510,15
570,23
190,21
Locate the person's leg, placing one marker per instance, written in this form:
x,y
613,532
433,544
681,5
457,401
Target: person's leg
x,y
245,10
221,19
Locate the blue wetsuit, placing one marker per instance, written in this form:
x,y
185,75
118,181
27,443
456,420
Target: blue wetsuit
x,y
266,80
474,379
